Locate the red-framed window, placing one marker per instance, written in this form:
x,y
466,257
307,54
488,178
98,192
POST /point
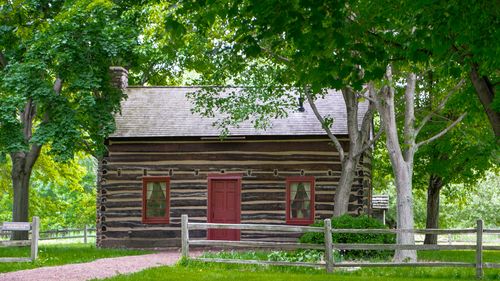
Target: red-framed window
x,y
300,200
155,199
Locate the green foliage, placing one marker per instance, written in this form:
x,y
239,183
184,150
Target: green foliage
x,y
61,194
350,222
57,40
274,50
482,202
290,256
51,255
297,256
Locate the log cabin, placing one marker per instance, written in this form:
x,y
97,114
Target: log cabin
x,y
164,161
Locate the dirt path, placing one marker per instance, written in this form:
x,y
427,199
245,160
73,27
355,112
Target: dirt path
x,y
101,268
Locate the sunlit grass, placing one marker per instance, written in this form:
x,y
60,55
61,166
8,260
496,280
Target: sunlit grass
x,y
50,255
193,270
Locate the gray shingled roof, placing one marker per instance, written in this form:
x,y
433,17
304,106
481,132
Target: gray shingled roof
x,y
166,112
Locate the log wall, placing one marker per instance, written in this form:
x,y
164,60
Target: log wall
x,y
263,164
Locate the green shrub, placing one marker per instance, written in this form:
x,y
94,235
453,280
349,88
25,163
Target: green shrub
x,y
349,222
296,256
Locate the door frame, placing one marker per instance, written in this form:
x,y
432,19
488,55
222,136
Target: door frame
x,y
210,179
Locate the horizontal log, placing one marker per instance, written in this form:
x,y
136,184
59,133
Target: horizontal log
x,y
215,167
278,217
491,265
255,183
120,214
123,195
267,146
254,156
228,152
15,243
180,193
266,206
141,244
188,203
263,227
246,235
131,224
66,237
492,231
189,212
154,234
15,259
419,231
122,204
406,264
270,239
400,247
135,186
263,196
256,244
491,248
258,262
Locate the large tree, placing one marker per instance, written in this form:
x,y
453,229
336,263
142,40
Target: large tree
x,y
54,83
455,163
403,142
285,52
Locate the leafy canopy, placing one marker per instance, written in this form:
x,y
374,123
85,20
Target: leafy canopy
x,y
74,41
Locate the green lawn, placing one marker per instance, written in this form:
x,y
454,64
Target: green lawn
x,y
50,255
221,272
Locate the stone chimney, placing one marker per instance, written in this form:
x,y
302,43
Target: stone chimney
x,y
119,77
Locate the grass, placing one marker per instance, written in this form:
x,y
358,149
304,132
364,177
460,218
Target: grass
x,y
192,270
49,255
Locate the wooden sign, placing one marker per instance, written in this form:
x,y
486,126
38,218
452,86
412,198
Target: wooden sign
x,y
13,226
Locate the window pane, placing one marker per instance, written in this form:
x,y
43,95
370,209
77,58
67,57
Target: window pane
x,y
300,200
156,199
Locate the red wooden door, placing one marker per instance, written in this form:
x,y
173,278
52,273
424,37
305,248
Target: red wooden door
x,y
224,206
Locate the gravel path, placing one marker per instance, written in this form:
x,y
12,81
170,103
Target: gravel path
x,y
101,268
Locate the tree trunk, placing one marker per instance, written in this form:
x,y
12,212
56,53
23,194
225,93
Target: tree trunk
x,y
432,222
20,184
404,217
486,93
402,162
343,191
359,141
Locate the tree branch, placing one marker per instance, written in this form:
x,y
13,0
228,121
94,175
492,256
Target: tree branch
x,y
27,116
280,57
362,95
443,132
58,85
409,125
32,156
334,139
440,106
371,142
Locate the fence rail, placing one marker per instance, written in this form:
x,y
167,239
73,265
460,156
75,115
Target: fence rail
x,y
68,233
329,247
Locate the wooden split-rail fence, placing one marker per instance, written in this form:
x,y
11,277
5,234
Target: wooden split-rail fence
x,y
34,226
84,233
329,247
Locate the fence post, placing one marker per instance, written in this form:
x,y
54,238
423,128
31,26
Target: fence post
x,y
185,236
479,249
328,246
85,234
35,233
